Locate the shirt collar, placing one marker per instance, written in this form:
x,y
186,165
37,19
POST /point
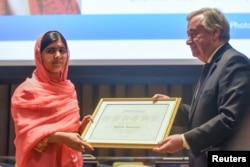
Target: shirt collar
x,y
211,57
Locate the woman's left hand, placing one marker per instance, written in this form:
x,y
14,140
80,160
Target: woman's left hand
x,y
86,119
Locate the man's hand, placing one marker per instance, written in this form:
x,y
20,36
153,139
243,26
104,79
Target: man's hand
x,y
171,144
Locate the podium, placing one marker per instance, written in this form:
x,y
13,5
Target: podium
x,y
116,161
108,161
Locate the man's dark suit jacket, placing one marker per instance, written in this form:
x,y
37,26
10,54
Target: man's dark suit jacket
x,y
219,116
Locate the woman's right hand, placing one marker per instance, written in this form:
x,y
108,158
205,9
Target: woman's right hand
x,y
72,140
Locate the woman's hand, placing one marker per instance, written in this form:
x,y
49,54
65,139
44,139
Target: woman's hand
x,y
157,96
71,139
86,119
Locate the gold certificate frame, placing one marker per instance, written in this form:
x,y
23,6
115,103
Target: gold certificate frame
x,y
131,122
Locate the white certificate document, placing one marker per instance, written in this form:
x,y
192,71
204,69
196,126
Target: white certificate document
x,y
131,122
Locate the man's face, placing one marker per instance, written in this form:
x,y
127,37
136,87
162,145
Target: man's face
x,y
199,39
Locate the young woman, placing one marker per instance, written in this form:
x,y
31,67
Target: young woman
x,y
45,110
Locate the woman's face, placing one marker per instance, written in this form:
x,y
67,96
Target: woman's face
x,y
54,57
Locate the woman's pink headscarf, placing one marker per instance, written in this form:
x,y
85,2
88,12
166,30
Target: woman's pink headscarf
x,y
41,107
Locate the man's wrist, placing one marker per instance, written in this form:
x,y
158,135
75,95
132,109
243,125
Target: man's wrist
x,y
184,142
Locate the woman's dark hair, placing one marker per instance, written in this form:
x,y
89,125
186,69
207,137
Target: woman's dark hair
x,y
52,36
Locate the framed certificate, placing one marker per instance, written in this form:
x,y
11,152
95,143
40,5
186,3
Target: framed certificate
x,y
131,122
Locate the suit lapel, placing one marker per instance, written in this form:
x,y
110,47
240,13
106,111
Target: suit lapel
x,y
196,96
